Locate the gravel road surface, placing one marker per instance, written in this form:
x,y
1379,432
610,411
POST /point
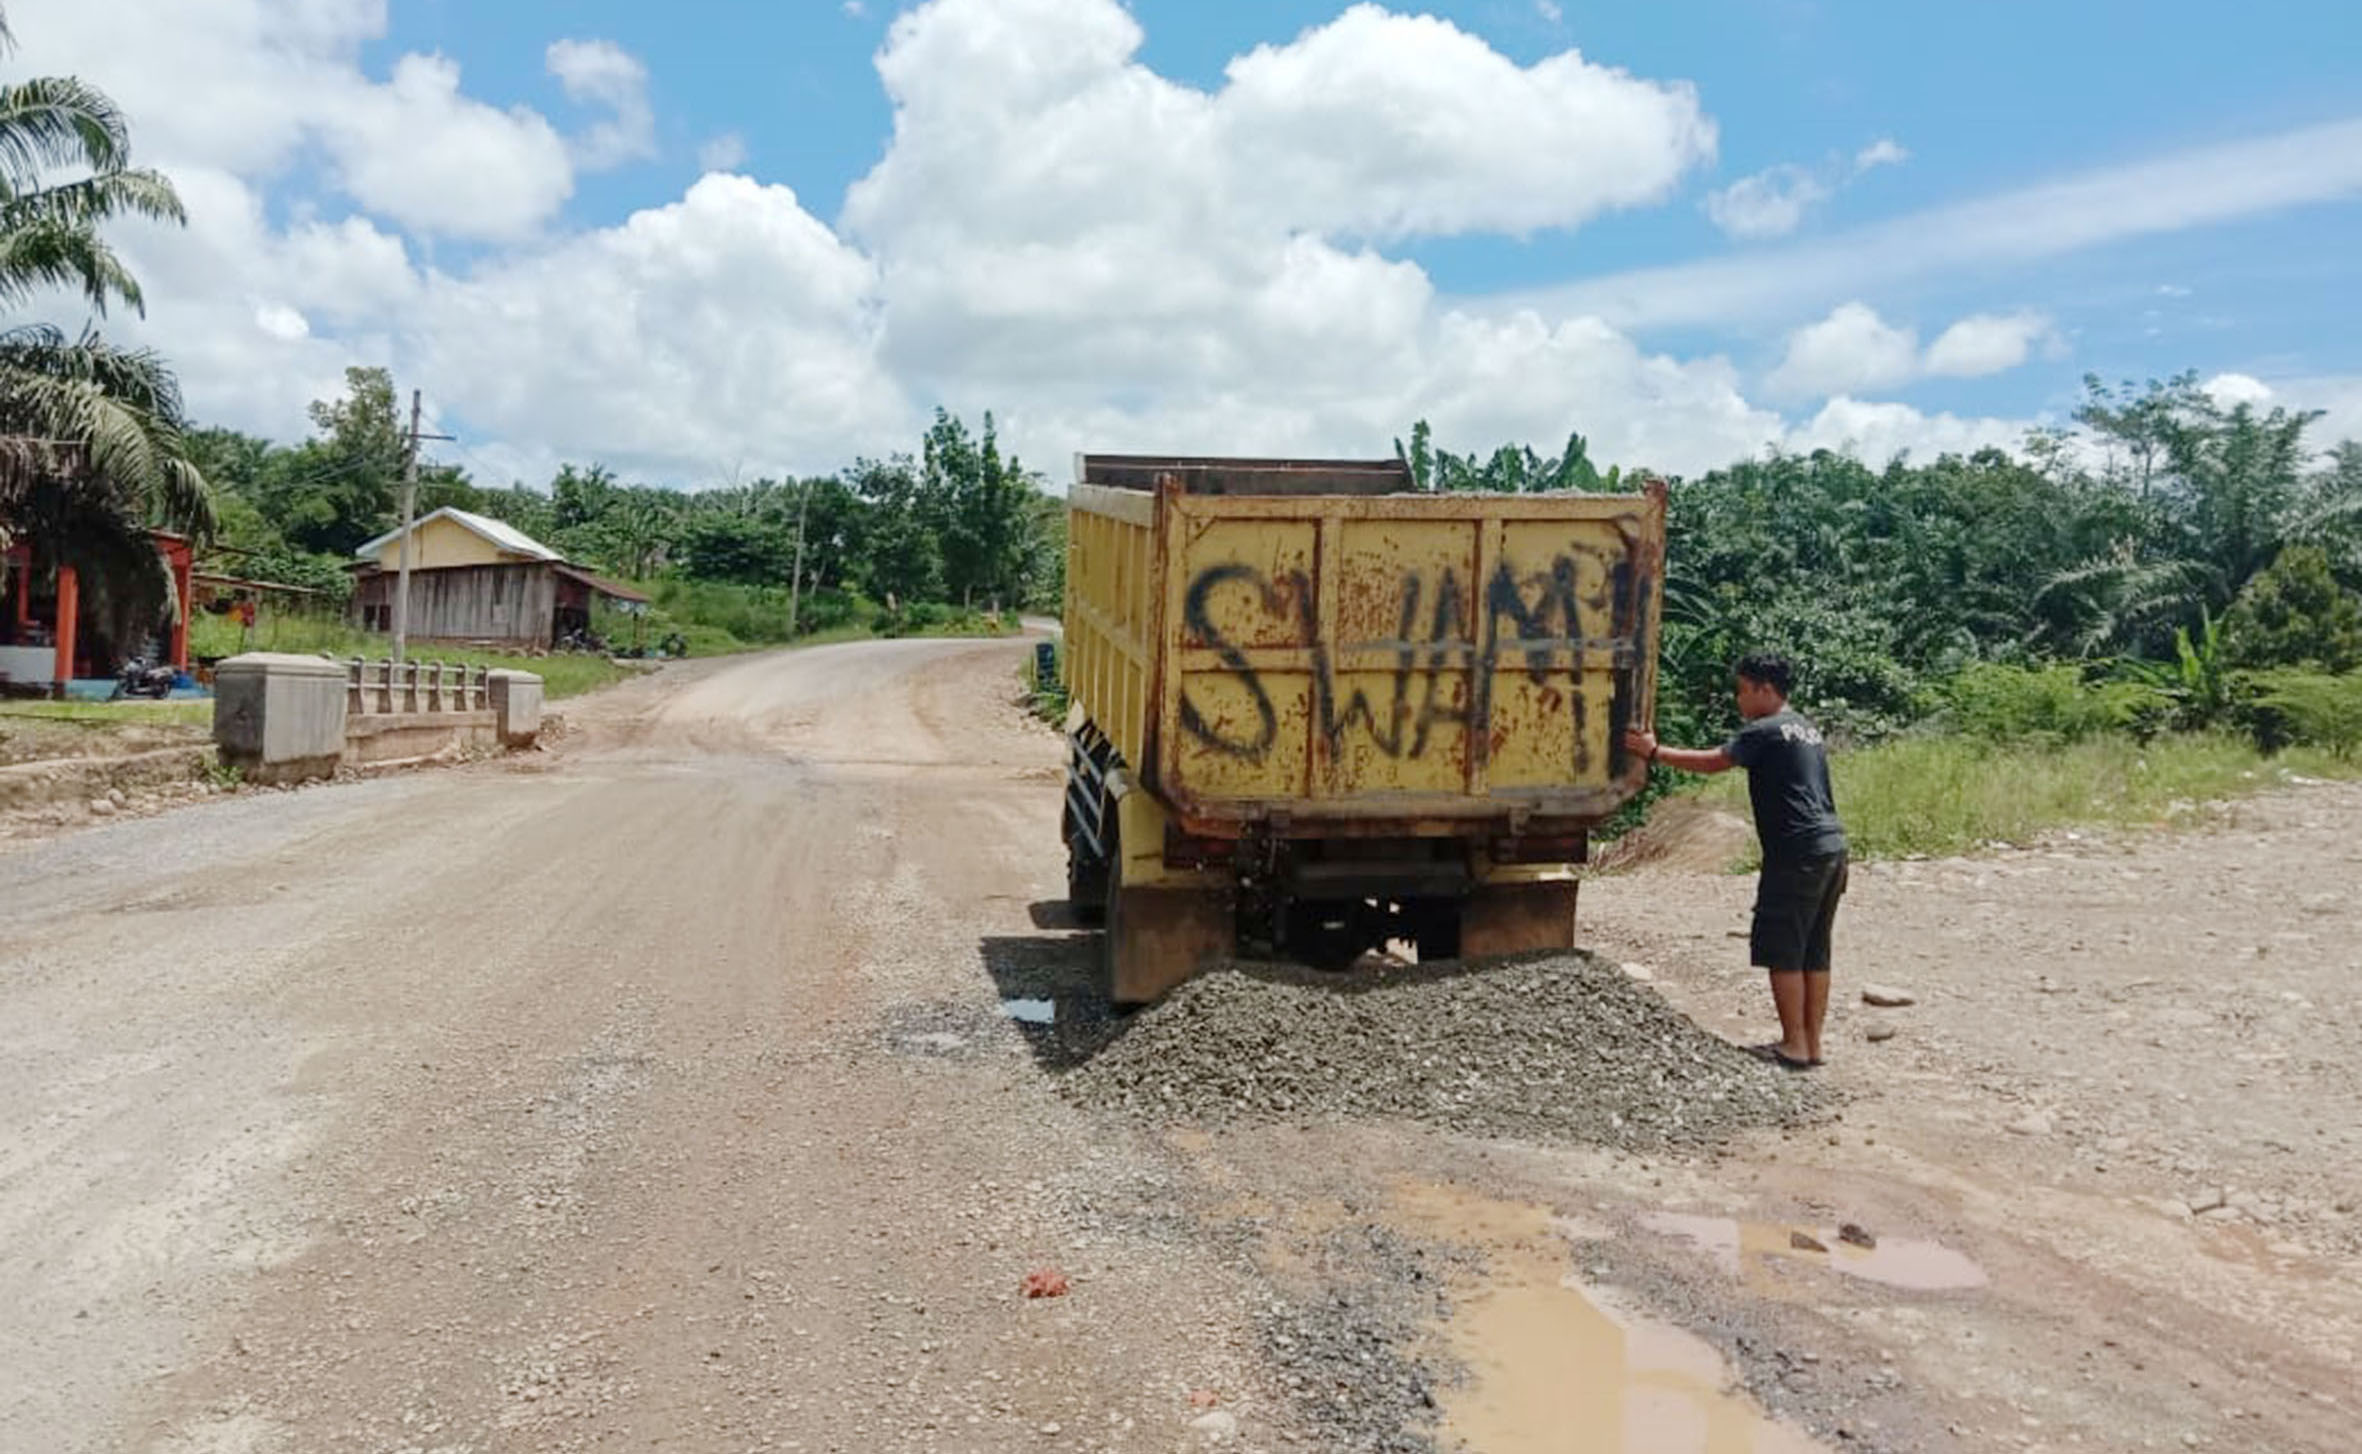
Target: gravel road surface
x,y
657,1090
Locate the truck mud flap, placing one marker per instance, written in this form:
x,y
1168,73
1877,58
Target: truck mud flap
x,y
1518,918
1159,937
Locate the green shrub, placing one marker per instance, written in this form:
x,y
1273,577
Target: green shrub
x,y
717,617
932,618
2295,614
2002,703
2304,709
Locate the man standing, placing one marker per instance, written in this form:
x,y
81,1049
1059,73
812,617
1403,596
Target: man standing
x,y
1804,848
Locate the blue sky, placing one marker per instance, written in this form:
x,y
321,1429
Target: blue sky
x,y
1969,106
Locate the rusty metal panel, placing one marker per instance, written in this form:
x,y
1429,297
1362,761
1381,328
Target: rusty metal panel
x,y
1358,662
1244,737
1252,585
1550,730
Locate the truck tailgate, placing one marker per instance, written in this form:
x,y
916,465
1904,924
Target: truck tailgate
x,y
1395,662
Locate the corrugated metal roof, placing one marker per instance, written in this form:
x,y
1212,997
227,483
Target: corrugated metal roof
x,y
601,584
502,534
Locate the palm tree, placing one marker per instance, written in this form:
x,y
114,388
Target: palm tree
x,y
93,445
49,231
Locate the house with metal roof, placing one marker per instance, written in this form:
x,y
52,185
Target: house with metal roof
x,y
477,579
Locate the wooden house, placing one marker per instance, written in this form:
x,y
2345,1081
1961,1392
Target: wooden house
x,y
473,578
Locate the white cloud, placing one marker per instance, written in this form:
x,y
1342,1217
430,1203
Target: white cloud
x,y
420,154
1550,11
602,73
724,153
1372,125
731,325
246,86
1774,202
1853,348
1105,257
1878,432
1769,204
2173,193
855,9
2337,397
282,322
2230,390
1987,343
1884,152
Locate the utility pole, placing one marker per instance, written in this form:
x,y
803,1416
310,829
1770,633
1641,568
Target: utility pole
x,y
795,589
409,509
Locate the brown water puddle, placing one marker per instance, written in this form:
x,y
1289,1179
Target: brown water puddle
x,y
1554,1368
1894,1262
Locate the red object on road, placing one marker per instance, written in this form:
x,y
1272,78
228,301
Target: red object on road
x,y
1045,1282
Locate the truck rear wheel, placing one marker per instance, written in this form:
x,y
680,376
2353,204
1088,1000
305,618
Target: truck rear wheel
x,y
1157,937
1518,918
1086,883
1435,930
1330,936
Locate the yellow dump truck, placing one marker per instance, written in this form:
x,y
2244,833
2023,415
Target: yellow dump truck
x,y
1317,711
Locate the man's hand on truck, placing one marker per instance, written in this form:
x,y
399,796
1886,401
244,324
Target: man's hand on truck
x,y
1642,742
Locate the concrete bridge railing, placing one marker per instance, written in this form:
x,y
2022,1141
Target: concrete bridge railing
x,y
281,718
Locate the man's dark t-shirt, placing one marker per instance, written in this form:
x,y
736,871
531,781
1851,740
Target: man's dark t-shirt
x,y
1788,783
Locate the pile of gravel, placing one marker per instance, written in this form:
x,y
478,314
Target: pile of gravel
x,y
1559,1049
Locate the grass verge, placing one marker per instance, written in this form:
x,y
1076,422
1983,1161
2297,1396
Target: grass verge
x,y
1941,796
562,675
114,714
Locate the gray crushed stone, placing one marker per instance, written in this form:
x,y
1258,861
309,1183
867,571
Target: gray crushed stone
x,y
1350,1359
1559,1049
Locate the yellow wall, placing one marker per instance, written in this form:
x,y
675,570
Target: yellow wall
x,y
440,543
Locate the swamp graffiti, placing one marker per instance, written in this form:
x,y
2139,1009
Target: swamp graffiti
x,y
1438,676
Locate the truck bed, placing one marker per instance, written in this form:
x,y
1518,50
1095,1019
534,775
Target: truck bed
x,y
1312,646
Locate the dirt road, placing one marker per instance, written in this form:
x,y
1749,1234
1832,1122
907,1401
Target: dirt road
x,y
643,1098
656,1092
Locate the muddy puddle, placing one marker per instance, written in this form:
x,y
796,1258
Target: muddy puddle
x,y
1741,1247
1554,1366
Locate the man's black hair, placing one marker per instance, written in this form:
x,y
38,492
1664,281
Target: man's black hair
x,y
1769,668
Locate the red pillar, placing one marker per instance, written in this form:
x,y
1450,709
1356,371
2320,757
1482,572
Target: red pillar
x,y
69,622
182,568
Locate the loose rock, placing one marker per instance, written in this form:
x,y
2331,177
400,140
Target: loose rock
x,y
1045,1282
1218,1427
1887,997
1562,1049
1806,1242
2033,1124
1877,1033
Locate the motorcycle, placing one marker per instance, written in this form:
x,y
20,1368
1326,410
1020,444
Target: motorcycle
x,y
140,678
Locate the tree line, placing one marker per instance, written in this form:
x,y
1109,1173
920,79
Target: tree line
x,y
955,522
2165,555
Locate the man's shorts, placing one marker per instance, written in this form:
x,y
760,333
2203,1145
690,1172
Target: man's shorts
x,y
1795,910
